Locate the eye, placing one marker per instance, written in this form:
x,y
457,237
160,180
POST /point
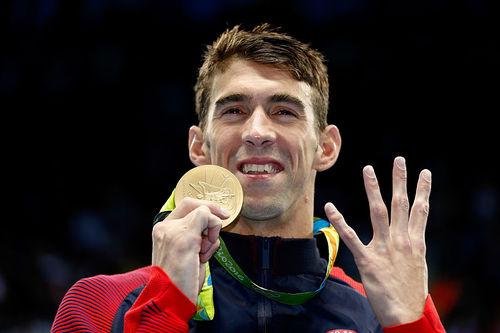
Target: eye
x,y
284,112
232,111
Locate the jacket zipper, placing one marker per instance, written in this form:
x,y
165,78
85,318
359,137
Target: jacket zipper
x,y
264,306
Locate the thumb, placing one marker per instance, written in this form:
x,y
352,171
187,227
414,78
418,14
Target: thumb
x,y
347,233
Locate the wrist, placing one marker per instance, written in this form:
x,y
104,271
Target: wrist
x,y
400,314
428,322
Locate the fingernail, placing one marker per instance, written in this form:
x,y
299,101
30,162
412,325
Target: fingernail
x,y
400,162
224,212
369,171
330,208
426,174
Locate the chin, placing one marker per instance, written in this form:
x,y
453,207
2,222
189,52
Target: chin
x,y
261,212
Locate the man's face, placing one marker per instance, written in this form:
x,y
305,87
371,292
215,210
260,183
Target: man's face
x,y
260,126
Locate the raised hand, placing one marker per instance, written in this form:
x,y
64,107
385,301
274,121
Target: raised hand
x,y
185,240
392,266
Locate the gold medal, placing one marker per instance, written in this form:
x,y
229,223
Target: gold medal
x,y
212,183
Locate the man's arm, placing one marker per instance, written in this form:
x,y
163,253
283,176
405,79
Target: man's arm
x,y
161,306
392,266
181,248
91,304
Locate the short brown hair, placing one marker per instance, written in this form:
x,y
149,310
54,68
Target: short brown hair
x,y
265,45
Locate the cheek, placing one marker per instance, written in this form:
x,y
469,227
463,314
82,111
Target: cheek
x,y
220,144
307,148
306,153
220,134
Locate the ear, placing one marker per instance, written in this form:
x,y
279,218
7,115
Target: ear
x,y
328,148
198,152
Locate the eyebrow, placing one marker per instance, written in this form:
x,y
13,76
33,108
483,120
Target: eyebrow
x,y
230,99
278,98
285,98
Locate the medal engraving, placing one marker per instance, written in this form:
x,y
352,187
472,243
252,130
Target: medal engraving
x,y
212,183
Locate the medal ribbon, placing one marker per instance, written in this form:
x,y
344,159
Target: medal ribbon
x,y
205,304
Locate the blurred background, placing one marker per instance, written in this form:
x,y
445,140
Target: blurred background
x,y
97,98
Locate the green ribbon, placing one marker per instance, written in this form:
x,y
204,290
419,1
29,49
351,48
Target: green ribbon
x,y
224,258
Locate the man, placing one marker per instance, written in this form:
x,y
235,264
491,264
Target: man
x,y
262,101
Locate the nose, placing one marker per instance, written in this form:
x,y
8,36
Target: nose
x,y
258,130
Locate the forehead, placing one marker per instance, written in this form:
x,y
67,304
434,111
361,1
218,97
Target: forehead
x,y
257,81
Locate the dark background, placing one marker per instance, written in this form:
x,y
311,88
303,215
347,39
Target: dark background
x,y
96,99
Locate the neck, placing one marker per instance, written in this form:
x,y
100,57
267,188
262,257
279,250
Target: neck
x,y
295,222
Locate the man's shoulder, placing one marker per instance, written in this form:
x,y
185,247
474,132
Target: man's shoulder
x,y
118,284
347,296
342,289
338,273
91,303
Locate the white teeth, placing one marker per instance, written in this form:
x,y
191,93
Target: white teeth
x,y
258,168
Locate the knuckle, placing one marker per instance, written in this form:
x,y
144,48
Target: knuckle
x,y
158,233
402,202
373,183
379,211
403,176
422,208
402,243
349,233
203,210
384,250
187,202
421,248
198,211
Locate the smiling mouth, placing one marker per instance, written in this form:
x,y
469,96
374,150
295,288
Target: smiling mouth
x,y
260,169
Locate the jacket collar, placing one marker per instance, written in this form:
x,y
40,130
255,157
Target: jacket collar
x,y
282,256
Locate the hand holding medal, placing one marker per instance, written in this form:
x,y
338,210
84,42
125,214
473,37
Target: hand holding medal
x,y
212,183
207,198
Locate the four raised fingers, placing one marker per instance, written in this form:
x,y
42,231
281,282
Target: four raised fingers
x,y
404,226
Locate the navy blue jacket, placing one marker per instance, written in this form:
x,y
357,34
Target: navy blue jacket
x,y
290,265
